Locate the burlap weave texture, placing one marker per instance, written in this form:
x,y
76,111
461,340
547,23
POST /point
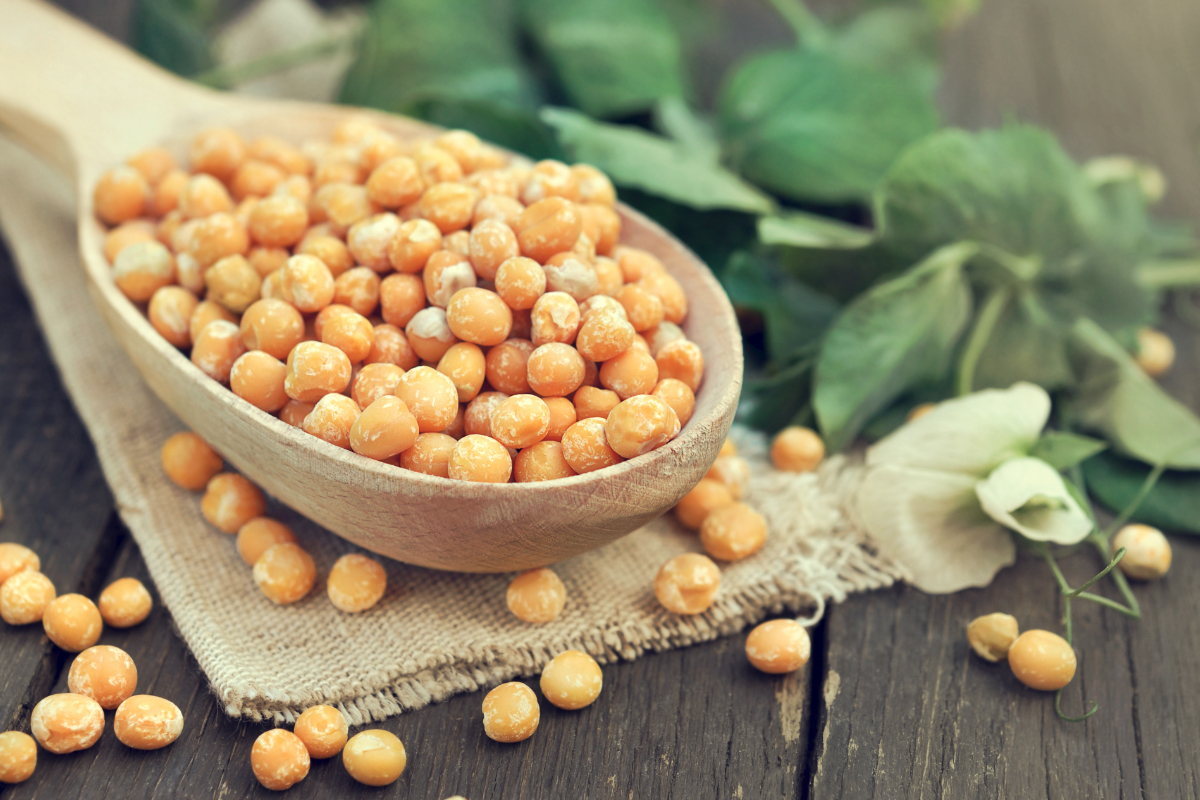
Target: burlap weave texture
x,y
434,634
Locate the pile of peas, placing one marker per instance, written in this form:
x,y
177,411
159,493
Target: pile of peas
x,y
433,305
101,677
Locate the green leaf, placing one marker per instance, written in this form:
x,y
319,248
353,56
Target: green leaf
x,y
1026,345
795,316
1115,398
175,33
800,229
1063,449
890,339
811,126
613,57
1014,188
1173,504
895,39
414,50
516,128
654,164
675,118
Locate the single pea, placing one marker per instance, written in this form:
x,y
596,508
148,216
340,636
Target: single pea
x,y
1042,660
669,292
414,242
369,239
146,722
170,312
294,412
429,334
259,378
480,459
125,234
259,534
779,646
307,283
16,558
279,759
1147,552
391,346
683,361
492,244
634,372
733,532
543,461
662,335
687,583
445,274
189,461
797,449
384,430
18,757
585,446
121,194
358,289
142,268
230,501
536,596
356,583
555,317
733,471
991,635
548,226
521,421
430,454
430,396
217,151
572,275
604,336
332,420
153,162
479,316
572,680
323,730
348,331
66,723
24,597
511,713
678,396
374,757
124,603
704,498
72,622
449,205
395,182
206,313
285,573
550,178
507,366
104,673
329,250
1155,352
218,347
555,370
316,369
639,425
562,417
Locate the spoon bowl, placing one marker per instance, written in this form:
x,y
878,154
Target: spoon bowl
x,y
86,104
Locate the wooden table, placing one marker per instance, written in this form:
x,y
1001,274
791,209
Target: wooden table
x,y
891,705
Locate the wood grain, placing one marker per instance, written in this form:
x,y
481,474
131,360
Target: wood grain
x,y
416,518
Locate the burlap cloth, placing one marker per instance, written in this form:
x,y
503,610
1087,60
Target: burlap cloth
x,y
434,634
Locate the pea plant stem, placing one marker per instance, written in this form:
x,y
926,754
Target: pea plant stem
x,y
985,323
1136,502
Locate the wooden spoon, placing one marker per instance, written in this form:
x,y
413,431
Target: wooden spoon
x,y
86,104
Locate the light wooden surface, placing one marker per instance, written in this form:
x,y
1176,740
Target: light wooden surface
x,y
86,104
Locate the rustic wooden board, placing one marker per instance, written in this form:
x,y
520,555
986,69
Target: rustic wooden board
x,y
54,496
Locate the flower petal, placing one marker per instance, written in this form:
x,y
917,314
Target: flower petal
x,y
931,524
1029,496
970,435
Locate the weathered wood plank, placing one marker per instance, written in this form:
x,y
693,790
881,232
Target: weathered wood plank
x,y
685,724
54,495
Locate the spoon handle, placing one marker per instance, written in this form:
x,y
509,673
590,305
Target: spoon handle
x,y
79,99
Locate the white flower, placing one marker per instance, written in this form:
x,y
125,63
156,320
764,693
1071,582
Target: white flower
x,y
938,493
1029,496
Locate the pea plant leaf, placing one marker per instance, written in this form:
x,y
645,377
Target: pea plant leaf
x,y
891,338
1013,188
1063,449
1173,504
657,165
813,126
415,50
897,39
1114,397
613,58
801,229
1027,344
